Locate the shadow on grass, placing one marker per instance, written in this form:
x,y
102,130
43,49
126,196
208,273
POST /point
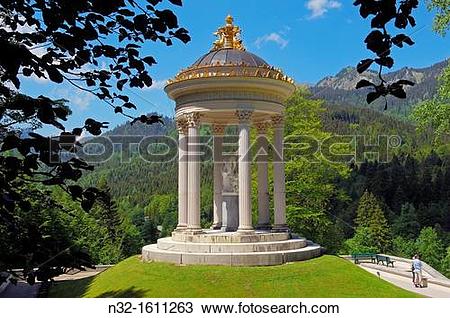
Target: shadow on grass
x,y
70,288
127,293
80,288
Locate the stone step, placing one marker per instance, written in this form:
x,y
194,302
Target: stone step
x,y
153,253
219,236
169,244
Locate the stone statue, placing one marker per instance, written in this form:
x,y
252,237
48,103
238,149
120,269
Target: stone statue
x,y
228,37
230,175
230,191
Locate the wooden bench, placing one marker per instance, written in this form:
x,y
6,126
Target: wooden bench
x,y
364,257
385,260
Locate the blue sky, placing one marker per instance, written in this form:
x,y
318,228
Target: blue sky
x,y
308,39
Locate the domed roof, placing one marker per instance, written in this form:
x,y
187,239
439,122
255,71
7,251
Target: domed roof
x,y
230,56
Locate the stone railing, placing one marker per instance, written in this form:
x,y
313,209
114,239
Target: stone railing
x,y
425,266
436,277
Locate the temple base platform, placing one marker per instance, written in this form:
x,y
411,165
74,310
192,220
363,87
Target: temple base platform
x,y
215,247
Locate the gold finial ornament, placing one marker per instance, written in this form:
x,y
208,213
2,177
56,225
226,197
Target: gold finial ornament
x,y
239,65
229,19
228,36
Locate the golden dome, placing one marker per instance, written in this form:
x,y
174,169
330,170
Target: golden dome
x,y
228,58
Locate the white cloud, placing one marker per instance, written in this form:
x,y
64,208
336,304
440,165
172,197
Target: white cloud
x,y
319,7
157,85
272,37
80,99
286,29
39,80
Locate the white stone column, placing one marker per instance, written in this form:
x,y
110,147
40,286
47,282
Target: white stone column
x,y
279,187
263,176
182,174
218,131
245,200
193,191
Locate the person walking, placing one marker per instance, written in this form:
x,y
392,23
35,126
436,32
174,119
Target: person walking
x,y
412,271
417,270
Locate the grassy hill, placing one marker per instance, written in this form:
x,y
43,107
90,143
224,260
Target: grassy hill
x,y
327,276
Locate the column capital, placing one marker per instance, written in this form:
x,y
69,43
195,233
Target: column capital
x,y
192,119
261,127
182,125
244,115
218,129
278,121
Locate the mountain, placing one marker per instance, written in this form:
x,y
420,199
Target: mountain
x,y
351,120
140,129
340,88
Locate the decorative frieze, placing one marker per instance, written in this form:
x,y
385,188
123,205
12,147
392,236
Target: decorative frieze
x,y
261,127
192,119
244,115
278,121
182,126
218,129
229,95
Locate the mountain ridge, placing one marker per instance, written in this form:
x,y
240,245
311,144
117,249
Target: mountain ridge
x,y
340,88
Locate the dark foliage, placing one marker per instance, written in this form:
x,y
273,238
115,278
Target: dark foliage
x,y
77,37
380,42
37,240
422,184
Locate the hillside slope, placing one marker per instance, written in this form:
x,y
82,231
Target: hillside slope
x,y
326,276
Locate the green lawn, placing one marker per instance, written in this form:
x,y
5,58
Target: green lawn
x,y
326,276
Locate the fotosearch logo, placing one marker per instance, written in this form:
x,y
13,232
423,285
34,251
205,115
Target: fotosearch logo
x,y
164,149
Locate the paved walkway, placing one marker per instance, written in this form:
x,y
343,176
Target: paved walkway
x,y
79,275
21,290
24,290
433,290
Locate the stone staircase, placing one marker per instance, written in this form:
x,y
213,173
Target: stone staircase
x,y
232,249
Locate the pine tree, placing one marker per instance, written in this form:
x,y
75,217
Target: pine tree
x,y
426,184
362,212
411,177
399,200
430,247
362,242
370,215
406,225
445,264
437,190
105,211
